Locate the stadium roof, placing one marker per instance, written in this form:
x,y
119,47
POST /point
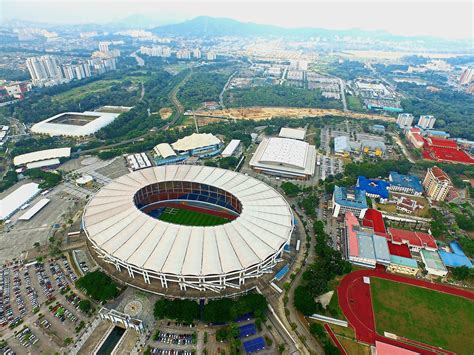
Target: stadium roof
x,y
42,155
17,198
164,150
286,155
230,148
354,199
418,239
115,225
373,186
294,133
195,140
101,120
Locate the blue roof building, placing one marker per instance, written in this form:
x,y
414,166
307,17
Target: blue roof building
x,y
373,187
349,200
455,259
437,134
408,184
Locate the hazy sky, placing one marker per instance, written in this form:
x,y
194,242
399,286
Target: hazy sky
x,y
448,19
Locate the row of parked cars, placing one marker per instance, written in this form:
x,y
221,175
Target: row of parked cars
x,y
6,312
26,337
30,290
172,338
17,291
170,352
63,313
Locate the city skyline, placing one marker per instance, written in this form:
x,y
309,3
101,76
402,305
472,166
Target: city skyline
x,y
420,18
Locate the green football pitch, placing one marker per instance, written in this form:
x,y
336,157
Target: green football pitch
x,y
190,218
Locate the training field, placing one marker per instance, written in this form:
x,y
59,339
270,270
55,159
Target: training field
x,y
190,218
423,315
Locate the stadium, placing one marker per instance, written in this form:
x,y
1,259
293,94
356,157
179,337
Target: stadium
x,y
188,227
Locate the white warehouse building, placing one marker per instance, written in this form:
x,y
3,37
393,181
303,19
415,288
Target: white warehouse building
x,y
285,157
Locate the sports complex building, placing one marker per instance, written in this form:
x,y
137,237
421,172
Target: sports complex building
x,y
187,226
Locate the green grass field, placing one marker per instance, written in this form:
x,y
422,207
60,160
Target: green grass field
x,y
355,104
94,87
423,315
190,218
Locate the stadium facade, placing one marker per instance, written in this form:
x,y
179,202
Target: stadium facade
x,y
122,225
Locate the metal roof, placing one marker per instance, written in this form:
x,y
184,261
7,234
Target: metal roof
x,y
230,148
164,150
114,224
17,198
406,181
294,133
195,140
38,206
42,155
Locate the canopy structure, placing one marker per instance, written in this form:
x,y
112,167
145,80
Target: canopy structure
x,y
205,258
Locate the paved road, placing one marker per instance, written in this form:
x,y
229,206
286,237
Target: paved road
x,y
139,60
177,114
404,149
343,96
221,95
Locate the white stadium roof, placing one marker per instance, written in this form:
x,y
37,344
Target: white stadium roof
x,y
294,133
120,231
41,155
195,140
164,150
12,202
285,157
61,129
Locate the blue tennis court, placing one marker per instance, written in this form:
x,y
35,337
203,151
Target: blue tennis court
x,y
247,330
254,345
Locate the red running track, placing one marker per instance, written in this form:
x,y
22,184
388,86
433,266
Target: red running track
x,y
356,303
334,339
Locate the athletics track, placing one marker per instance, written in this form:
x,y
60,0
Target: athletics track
x,y
356,303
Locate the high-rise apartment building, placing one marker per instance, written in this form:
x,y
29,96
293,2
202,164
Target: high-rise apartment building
x,y
405,120
467,76
104,47
426,121
197,53
437,184
211,56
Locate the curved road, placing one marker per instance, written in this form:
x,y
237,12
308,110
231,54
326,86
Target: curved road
x,y
179,110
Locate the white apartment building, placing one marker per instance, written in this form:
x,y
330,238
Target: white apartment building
x,y
437,184
405,120
426,121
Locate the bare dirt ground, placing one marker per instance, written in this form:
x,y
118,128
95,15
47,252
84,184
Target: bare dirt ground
x,y
264,113
166,113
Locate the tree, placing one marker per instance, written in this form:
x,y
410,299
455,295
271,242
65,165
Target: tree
x,y
85,306
290,189
98,285
461,273
304,302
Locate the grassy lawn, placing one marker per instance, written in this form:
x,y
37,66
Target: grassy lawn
x,y
423,315
91,88
354,103
190,218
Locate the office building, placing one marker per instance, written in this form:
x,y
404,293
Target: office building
x,y
437,184
405,120
349,200
415,138
407,184
426,121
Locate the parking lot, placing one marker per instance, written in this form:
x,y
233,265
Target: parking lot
x,y
38,306
329,166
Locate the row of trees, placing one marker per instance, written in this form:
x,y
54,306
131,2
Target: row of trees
x,y
328,264
215,311
49,179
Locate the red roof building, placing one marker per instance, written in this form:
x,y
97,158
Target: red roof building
x,y
417,240
373,219
445,150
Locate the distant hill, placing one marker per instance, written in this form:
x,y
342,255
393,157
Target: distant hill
x,y
205,26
